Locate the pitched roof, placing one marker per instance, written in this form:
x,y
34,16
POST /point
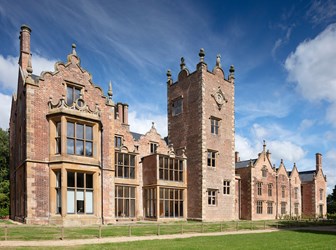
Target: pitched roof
x,y
136,136
245,164
307,175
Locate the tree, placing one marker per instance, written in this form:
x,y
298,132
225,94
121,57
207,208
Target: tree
x,y
4,172
331,202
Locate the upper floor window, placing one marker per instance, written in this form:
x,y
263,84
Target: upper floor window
x,y
73,94
226,187
264,171
79,139
296,193
214,125
170,169
270,187
321,194
212,197
118,141
58,138
259,187
211,158
177,106
124,165
153,147
283,191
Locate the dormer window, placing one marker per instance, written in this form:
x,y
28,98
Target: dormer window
x,y
153,147
73,93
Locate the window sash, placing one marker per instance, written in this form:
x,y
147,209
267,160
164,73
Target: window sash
x,y
79,139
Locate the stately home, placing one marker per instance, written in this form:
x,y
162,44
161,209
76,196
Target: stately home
x,y
75,160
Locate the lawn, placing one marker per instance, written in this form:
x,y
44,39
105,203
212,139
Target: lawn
x,y
274,240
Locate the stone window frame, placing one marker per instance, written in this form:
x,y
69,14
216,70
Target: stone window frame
x,y
211,158
259,207
296,191
153,146
125,168
270,189
118,141
177,106
58,190
150,202
169,199
70,89
321,194
259,188
214,125
212,197
125,199
283,191
77,189
86,140
226,187
264,171
269,207
283,207
296,208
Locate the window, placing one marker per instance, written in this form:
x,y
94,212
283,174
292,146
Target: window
x,y
283,191
259,207
211,159
269,189
58,192
226,187
214,125
153,147
79,139
124,165
296,193
58,138
171,202
150,202
170,169
296,208
269,207
79,193
177,106
321,210
124,201
73,94
321,194
264,171
283,207
259,187
212,197
118,141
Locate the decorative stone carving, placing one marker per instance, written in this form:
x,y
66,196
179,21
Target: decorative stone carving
x,y
219,98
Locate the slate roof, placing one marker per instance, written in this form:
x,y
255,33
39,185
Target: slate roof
x,y
245,164
136,136
307,175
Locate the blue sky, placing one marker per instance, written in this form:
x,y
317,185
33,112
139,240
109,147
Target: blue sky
x,y
284,53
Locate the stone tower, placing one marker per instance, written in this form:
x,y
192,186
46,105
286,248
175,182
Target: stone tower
x,y
201,120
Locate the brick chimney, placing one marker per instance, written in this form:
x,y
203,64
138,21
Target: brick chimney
x,y
318,161
268,155
120,112
237,158
24,47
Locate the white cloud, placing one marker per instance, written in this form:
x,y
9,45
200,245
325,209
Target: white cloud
x,y
142,123
9,69
311,66
5,104
286,150
321,11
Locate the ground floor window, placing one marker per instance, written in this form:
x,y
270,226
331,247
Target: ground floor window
x,y
171,202
269,207
150,202
296,208
259,207
212,197
283,207
79,193
124,201
58,192
321,210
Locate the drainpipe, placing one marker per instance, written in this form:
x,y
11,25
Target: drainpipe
x,y
101,174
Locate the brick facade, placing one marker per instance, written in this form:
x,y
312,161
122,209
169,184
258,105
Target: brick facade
x,y
74,159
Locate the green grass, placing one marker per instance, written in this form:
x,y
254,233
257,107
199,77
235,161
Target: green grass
x,y
274,240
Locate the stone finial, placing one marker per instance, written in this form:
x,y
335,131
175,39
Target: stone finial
x,y
74,49
153,125
294,165
231,70
281,161
218,61
201,55
264,145
29,66
182,64
110,92
169,77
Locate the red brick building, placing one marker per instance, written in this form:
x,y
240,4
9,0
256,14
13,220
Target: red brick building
x,y
74,159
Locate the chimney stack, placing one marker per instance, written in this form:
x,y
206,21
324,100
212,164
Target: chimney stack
x,y
318,161
24,47
268,155
125,107
120,112
237,158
